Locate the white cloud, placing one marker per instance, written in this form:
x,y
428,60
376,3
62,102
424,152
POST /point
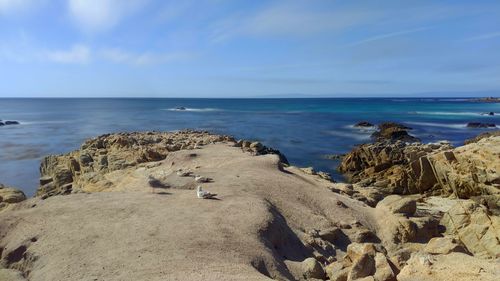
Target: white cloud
x,y
117,55
101,15
78,54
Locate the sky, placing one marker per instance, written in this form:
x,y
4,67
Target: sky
x,y
239,48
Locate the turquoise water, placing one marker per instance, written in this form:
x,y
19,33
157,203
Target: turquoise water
x,y
303,129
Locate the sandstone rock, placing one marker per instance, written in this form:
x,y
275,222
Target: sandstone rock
x,y
362,267
337,272
312,269
450,267
434,169
356,250
383,269
399,205
330,234
11,195
11,275
309,170
482,136
475,228
444,245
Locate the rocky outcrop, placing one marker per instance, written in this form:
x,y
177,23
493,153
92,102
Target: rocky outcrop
x,y
80,169
480,125
5,123
390,131
482,136
10,195
257,148
387,165
436,168
451,267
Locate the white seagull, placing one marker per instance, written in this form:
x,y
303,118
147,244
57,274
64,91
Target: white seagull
x,y
203,194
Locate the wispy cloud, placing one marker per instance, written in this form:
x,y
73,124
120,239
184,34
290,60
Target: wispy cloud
x,y
117,55
102,15
484,36
78,54
275,80
387,35
296,18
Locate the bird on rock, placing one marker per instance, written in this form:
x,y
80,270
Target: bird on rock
x,y
203,194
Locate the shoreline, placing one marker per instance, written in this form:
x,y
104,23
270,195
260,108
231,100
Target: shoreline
x,y
285,222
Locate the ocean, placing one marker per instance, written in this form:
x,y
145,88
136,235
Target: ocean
x,y
303,129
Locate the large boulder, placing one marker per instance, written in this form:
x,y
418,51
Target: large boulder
x,y
10,195
444,246
311,268
399,205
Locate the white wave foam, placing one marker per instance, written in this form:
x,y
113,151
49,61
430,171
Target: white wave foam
x,y
369,129
189,109
451,113
354,136
44,122
440,125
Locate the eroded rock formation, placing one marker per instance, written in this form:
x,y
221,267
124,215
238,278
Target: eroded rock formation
x,y
80,170
437,168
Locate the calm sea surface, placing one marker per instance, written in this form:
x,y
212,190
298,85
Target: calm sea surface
x,y
303,129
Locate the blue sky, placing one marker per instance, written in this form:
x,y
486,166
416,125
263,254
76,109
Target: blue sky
x,y
229,48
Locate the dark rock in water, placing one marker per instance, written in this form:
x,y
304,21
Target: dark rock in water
x,y
393,132
480,125
334,156
11,123
2,124
363,124
491,113
180,108
389,125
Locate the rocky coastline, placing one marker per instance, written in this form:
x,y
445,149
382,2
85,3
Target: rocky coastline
x,y
123,207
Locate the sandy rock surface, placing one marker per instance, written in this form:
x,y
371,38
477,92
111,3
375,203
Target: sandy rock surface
x,y
143,220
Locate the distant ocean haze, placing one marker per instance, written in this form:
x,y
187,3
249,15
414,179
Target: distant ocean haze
x,y
303,129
